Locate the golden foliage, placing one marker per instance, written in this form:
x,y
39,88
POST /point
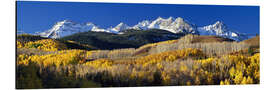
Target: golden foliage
x,y
100,63
246,69
169,56
19,44
44,44
63,58
175,69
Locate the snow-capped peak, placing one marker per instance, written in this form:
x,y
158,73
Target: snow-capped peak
x,y
142,25
90,23
120,27
219,25
160,22
220,29
66,27
173,25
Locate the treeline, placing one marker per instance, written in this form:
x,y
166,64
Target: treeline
x,y
112,54
210,48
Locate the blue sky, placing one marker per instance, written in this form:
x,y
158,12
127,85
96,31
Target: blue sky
x,y
33,16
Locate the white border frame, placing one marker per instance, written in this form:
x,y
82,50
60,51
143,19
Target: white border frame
x,y
8,41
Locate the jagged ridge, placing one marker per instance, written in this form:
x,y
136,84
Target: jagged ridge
x,y
174,25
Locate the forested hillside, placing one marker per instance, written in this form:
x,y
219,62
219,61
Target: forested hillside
x,y
135,59
131,38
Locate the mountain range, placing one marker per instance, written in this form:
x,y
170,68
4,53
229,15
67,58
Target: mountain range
x,y
171,24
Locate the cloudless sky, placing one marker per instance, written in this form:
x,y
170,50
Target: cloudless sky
x,y
33,16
